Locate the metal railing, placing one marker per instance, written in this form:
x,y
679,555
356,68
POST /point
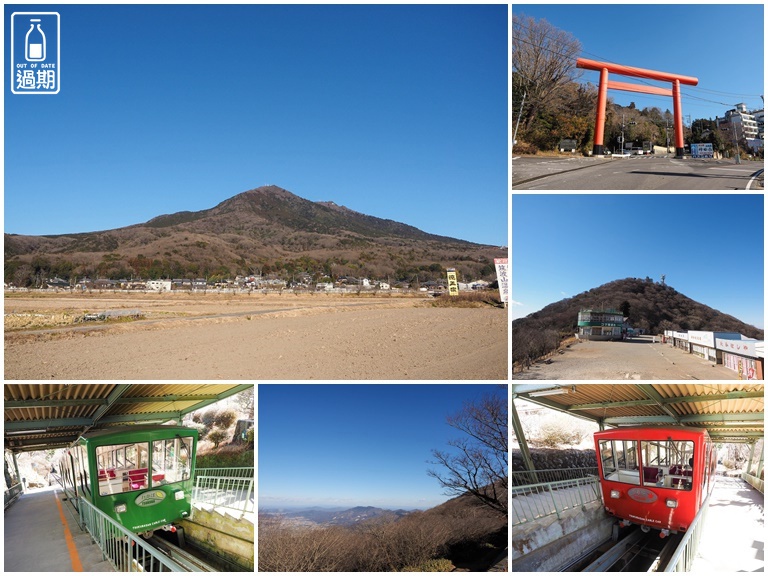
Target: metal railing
x,y
683,557
231,488
538,500
126,551
12,493
524,477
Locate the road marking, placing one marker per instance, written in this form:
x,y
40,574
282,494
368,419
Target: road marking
x,y
749,184
73,555
516,158
734,169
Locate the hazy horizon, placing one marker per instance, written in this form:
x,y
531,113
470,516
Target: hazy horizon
x,y
347,445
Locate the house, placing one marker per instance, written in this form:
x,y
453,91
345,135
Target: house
x,y
159,285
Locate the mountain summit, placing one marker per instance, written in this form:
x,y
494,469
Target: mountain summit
x,y
651,306
268,229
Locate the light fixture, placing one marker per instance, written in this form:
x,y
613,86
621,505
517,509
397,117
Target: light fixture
x,y
550,392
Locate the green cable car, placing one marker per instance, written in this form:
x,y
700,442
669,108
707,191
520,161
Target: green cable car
x,y
141,476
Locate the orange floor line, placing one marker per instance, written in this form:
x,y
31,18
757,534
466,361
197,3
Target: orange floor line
x,y
76,565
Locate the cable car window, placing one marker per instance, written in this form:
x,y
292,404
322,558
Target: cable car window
x,y
619,459
130,471
668,463
82,470
170,460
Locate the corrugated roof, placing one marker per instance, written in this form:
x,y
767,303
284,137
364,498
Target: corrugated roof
x,y
732,411
39,416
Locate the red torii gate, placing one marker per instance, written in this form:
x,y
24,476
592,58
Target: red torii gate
x,y
605,67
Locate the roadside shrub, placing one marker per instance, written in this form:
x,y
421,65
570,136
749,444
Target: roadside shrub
x,y
525,148
434,565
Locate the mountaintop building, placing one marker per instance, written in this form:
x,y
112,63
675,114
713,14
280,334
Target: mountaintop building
x,y
600,324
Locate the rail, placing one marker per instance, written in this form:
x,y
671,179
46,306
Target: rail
x,y
682,559
535,501
231,488
524,477
754,481
126,551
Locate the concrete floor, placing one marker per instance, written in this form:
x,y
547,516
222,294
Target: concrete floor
x,y
733,538
41,537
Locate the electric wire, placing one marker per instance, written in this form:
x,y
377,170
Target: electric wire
x,y
641,78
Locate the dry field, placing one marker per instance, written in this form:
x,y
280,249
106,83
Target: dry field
x,y
251,337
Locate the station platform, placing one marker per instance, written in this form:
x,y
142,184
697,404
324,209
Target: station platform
x,y
41,535
733,537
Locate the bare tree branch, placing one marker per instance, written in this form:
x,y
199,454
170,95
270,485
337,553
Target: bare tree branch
x,y
479,465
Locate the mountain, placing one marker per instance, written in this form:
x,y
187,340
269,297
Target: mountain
x,y
651,306
331,516
265,230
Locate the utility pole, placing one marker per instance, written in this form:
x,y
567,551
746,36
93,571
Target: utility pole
x,y
514,137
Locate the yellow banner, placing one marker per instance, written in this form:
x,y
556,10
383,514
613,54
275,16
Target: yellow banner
x,y
453,282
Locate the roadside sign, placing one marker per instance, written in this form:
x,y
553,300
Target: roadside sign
x,y
703,150
502,275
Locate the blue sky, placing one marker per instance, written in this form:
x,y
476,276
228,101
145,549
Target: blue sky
x,y
398,112
721,45
347,445
710,246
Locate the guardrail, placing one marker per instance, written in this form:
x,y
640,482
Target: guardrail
x,y
684,554
126,551
231,488
535,501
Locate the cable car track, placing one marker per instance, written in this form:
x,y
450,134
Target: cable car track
x,y
638,551
183,558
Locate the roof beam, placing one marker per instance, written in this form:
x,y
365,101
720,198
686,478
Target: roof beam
x,y
649,391
149,416
215,398
44,403
735,395
47,423
724,417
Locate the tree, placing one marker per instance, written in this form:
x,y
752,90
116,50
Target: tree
x,y
625,307
216,436
479,466
543,62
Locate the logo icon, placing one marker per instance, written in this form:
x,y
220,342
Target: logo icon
x,y
35,53
150,498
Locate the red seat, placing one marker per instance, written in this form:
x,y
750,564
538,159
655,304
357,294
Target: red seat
x,y
138,478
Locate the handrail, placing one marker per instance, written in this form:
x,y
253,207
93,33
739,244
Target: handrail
x,y
12,493
123,549
684,554
529,503
522,477
231,488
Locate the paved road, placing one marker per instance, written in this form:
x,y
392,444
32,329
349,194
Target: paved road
x,y
634,359
633,173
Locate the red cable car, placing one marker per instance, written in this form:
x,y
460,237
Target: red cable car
x,y
656,477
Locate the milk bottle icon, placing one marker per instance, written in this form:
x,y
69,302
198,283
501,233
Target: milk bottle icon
x,y
34,42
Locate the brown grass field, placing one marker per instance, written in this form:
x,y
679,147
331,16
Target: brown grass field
x,y
181,336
